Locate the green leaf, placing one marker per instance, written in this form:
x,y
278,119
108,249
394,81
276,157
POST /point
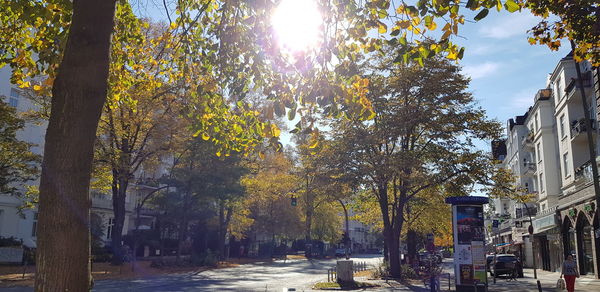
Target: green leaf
x,y
482,14
292,114
471,4
511,6
395,32
461,53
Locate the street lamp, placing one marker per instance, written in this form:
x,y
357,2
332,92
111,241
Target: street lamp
x,y
530,229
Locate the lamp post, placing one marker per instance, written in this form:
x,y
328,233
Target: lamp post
x,y
346,241
530,229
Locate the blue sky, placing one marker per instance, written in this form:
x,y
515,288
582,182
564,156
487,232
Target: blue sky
x,y
506,70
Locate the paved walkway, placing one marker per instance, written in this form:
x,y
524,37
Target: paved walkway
x,y
503,284
528,283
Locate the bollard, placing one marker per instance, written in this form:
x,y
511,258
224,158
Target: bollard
x,y
539,286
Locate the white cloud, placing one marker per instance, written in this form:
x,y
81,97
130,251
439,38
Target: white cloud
x,y
521,100
481,70
509,25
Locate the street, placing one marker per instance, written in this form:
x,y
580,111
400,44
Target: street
x,y
303,274
299,274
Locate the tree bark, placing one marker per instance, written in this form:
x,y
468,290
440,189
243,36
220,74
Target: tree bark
x,y
78,95
308,223
224,219
119,222
411,245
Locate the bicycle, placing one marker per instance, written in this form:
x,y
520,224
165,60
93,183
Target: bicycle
x,y
513,275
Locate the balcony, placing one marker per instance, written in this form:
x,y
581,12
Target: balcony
x,y
572,90
506,225
583,174
529,168
527,141
543,94
579,130
522,212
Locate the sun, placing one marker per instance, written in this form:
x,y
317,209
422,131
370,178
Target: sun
x,y
298,24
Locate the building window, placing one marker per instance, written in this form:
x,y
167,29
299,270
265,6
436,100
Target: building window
x,y
566,164
109,228
34,226
13,100
563,133
559,91
537,123
538,153
541,182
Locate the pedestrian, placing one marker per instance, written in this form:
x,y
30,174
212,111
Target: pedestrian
x,y
569,270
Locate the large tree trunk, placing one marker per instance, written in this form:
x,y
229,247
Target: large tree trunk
x,y
411,245
391,231
394,250
119,222
224,219
78,94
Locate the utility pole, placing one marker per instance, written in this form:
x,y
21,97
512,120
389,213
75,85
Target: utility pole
x,y
530,229
346,242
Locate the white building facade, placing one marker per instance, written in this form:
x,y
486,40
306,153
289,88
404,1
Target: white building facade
x,y
557,173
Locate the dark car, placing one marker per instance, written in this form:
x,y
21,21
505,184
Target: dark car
x,y
506,264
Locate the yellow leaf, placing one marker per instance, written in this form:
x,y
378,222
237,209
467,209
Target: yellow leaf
x,y
382,28
37,87
205,137
452,55
173,25
314,144
275,130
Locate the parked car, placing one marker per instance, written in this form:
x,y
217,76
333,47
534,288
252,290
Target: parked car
x,y
340,252
506,264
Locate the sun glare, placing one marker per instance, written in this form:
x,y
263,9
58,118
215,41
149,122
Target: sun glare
x,y
297,24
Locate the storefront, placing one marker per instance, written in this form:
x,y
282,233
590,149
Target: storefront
x,y
547,243
578,225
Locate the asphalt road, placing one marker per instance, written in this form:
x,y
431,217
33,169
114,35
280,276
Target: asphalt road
x,y
299,274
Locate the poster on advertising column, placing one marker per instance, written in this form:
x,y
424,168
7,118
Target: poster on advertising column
x,y
469,244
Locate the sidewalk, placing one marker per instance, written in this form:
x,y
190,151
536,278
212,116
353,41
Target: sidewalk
x,y
547,280
525,284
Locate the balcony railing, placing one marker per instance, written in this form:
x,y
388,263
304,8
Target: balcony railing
x,y
543,94
579,127
522,212
527,141
583,173
529,168
573,85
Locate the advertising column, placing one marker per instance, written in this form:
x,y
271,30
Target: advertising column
x,y
469,243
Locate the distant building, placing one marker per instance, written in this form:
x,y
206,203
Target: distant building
x,y
23,226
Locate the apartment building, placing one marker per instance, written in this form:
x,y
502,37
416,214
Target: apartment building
x,y
555,169
515,154
12,222
576,208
